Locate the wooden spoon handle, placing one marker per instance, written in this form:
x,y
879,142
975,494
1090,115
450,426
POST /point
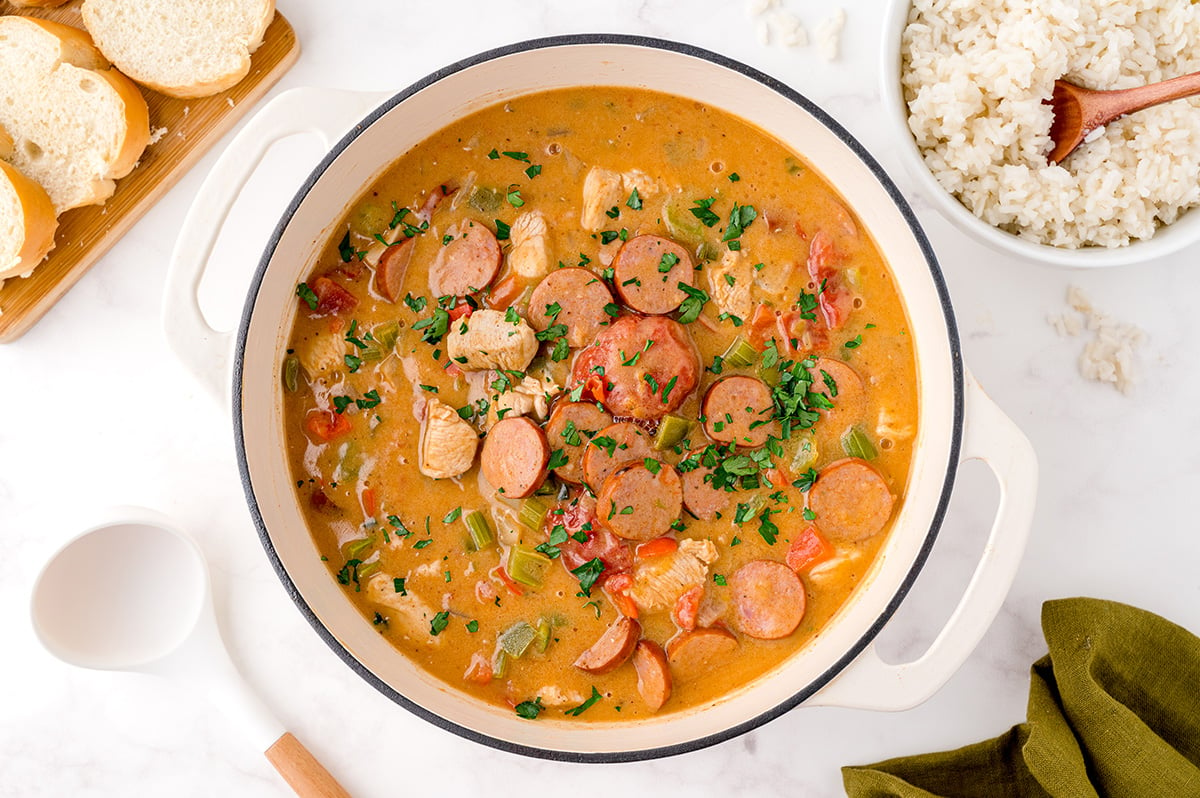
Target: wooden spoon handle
x,y
307,777
1157,93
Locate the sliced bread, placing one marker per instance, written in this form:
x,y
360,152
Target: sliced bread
x,y
77,125
184,48
27,223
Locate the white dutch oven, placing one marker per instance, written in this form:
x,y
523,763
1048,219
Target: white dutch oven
x,y
957,420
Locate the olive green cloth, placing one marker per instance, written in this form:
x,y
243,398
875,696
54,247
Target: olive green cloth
x,y
1114,711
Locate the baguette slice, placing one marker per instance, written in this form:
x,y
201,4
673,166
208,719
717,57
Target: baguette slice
x,y
183,48
27,223
77,124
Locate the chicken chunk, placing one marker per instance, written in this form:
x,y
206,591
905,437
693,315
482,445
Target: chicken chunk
x,y
530,253
529,397
322,354
604,188
448,443
659,582
404,611
729,284
490,341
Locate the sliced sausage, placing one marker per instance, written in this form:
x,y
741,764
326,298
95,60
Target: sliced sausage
x,y
851,500
739,410
389,272
571,426
768,599
647,272
850,403
468,263
699,496
693,654
514,458
611,448
646,366
653,674
581,297
639,503
613,648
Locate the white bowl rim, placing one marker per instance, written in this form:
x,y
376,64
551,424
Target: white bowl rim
x,y
956,377
1166,240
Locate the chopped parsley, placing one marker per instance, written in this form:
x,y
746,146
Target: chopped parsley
x,y
308,295
588,573
634,202
703,213
530,709
579,710
693,303
398,586
439,623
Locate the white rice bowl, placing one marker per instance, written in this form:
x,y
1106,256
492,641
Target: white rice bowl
x,y
975,76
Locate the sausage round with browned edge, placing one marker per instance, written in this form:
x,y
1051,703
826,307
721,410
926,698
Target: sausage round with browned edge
x,y
647,272
468,263
637,502
613,447
389,272
613,648
581,298
768,599
571,426
645,366
739,410
850,403
653,674
693,654
699,496
851,500
515,456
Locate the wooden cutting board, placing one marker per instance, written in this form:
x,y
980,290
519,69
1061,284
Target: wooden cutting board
x,y
185,130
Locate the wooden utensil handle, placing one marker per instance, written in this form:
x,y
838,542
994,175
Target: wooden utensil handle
x,y
306,776
1166,91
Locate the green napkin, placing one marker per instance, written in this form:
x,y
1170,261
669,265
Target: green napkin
x,y
1114,710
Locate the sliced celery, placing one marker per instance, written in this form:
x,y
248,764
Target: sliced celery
x,y
500,665
855,443
740,354
769,374
671,430
367,569
527,566
806,452
386,335
514,641
481,531
533,512
544,627
356,549
484,199
291,373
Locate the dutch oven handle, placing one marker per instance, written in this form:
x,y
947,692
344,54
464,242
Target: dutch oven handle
x,y
870,683
327,113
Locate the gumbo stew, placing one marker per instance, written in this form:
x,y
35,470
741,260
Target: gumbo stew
x,y
599,404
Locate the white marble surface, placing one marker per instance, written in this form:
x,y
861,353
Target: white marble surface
x,y
95,411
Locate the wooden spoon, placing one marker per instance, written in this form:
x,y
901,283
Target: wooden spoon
x,y
1079,111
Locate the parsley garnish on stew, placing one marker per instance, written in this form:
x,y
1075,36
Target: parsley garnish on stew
x,y
579,710
634,202
703,213
693,303
530,709
439,623
308,295
588,573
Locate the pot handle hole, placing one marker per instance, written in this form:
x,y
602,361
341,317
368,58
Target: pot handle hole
x,y
326,113
870,683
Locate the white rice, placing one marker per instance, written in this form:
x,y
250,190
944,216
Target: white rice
x,y
976,73
1111,354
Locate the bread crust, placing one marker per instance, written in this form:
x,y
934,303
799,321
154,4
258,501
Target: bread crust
x,y
40,223
198,88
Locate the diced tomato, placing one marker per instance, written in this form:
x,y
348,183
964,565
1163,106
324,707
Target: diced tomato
x,y
369,501
331,297
503,576
808,549
453,369
505,292
834,299
479,670
687,608
319,501
325,425
762,326
656,548
459,311
617,587
595,388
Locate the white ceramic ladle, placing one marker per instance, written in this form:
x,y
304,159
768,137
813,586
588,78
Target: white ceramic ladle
x,y
132,593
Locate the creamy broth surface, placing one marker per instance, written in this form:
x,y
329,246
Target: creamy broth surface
x,y
373,396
